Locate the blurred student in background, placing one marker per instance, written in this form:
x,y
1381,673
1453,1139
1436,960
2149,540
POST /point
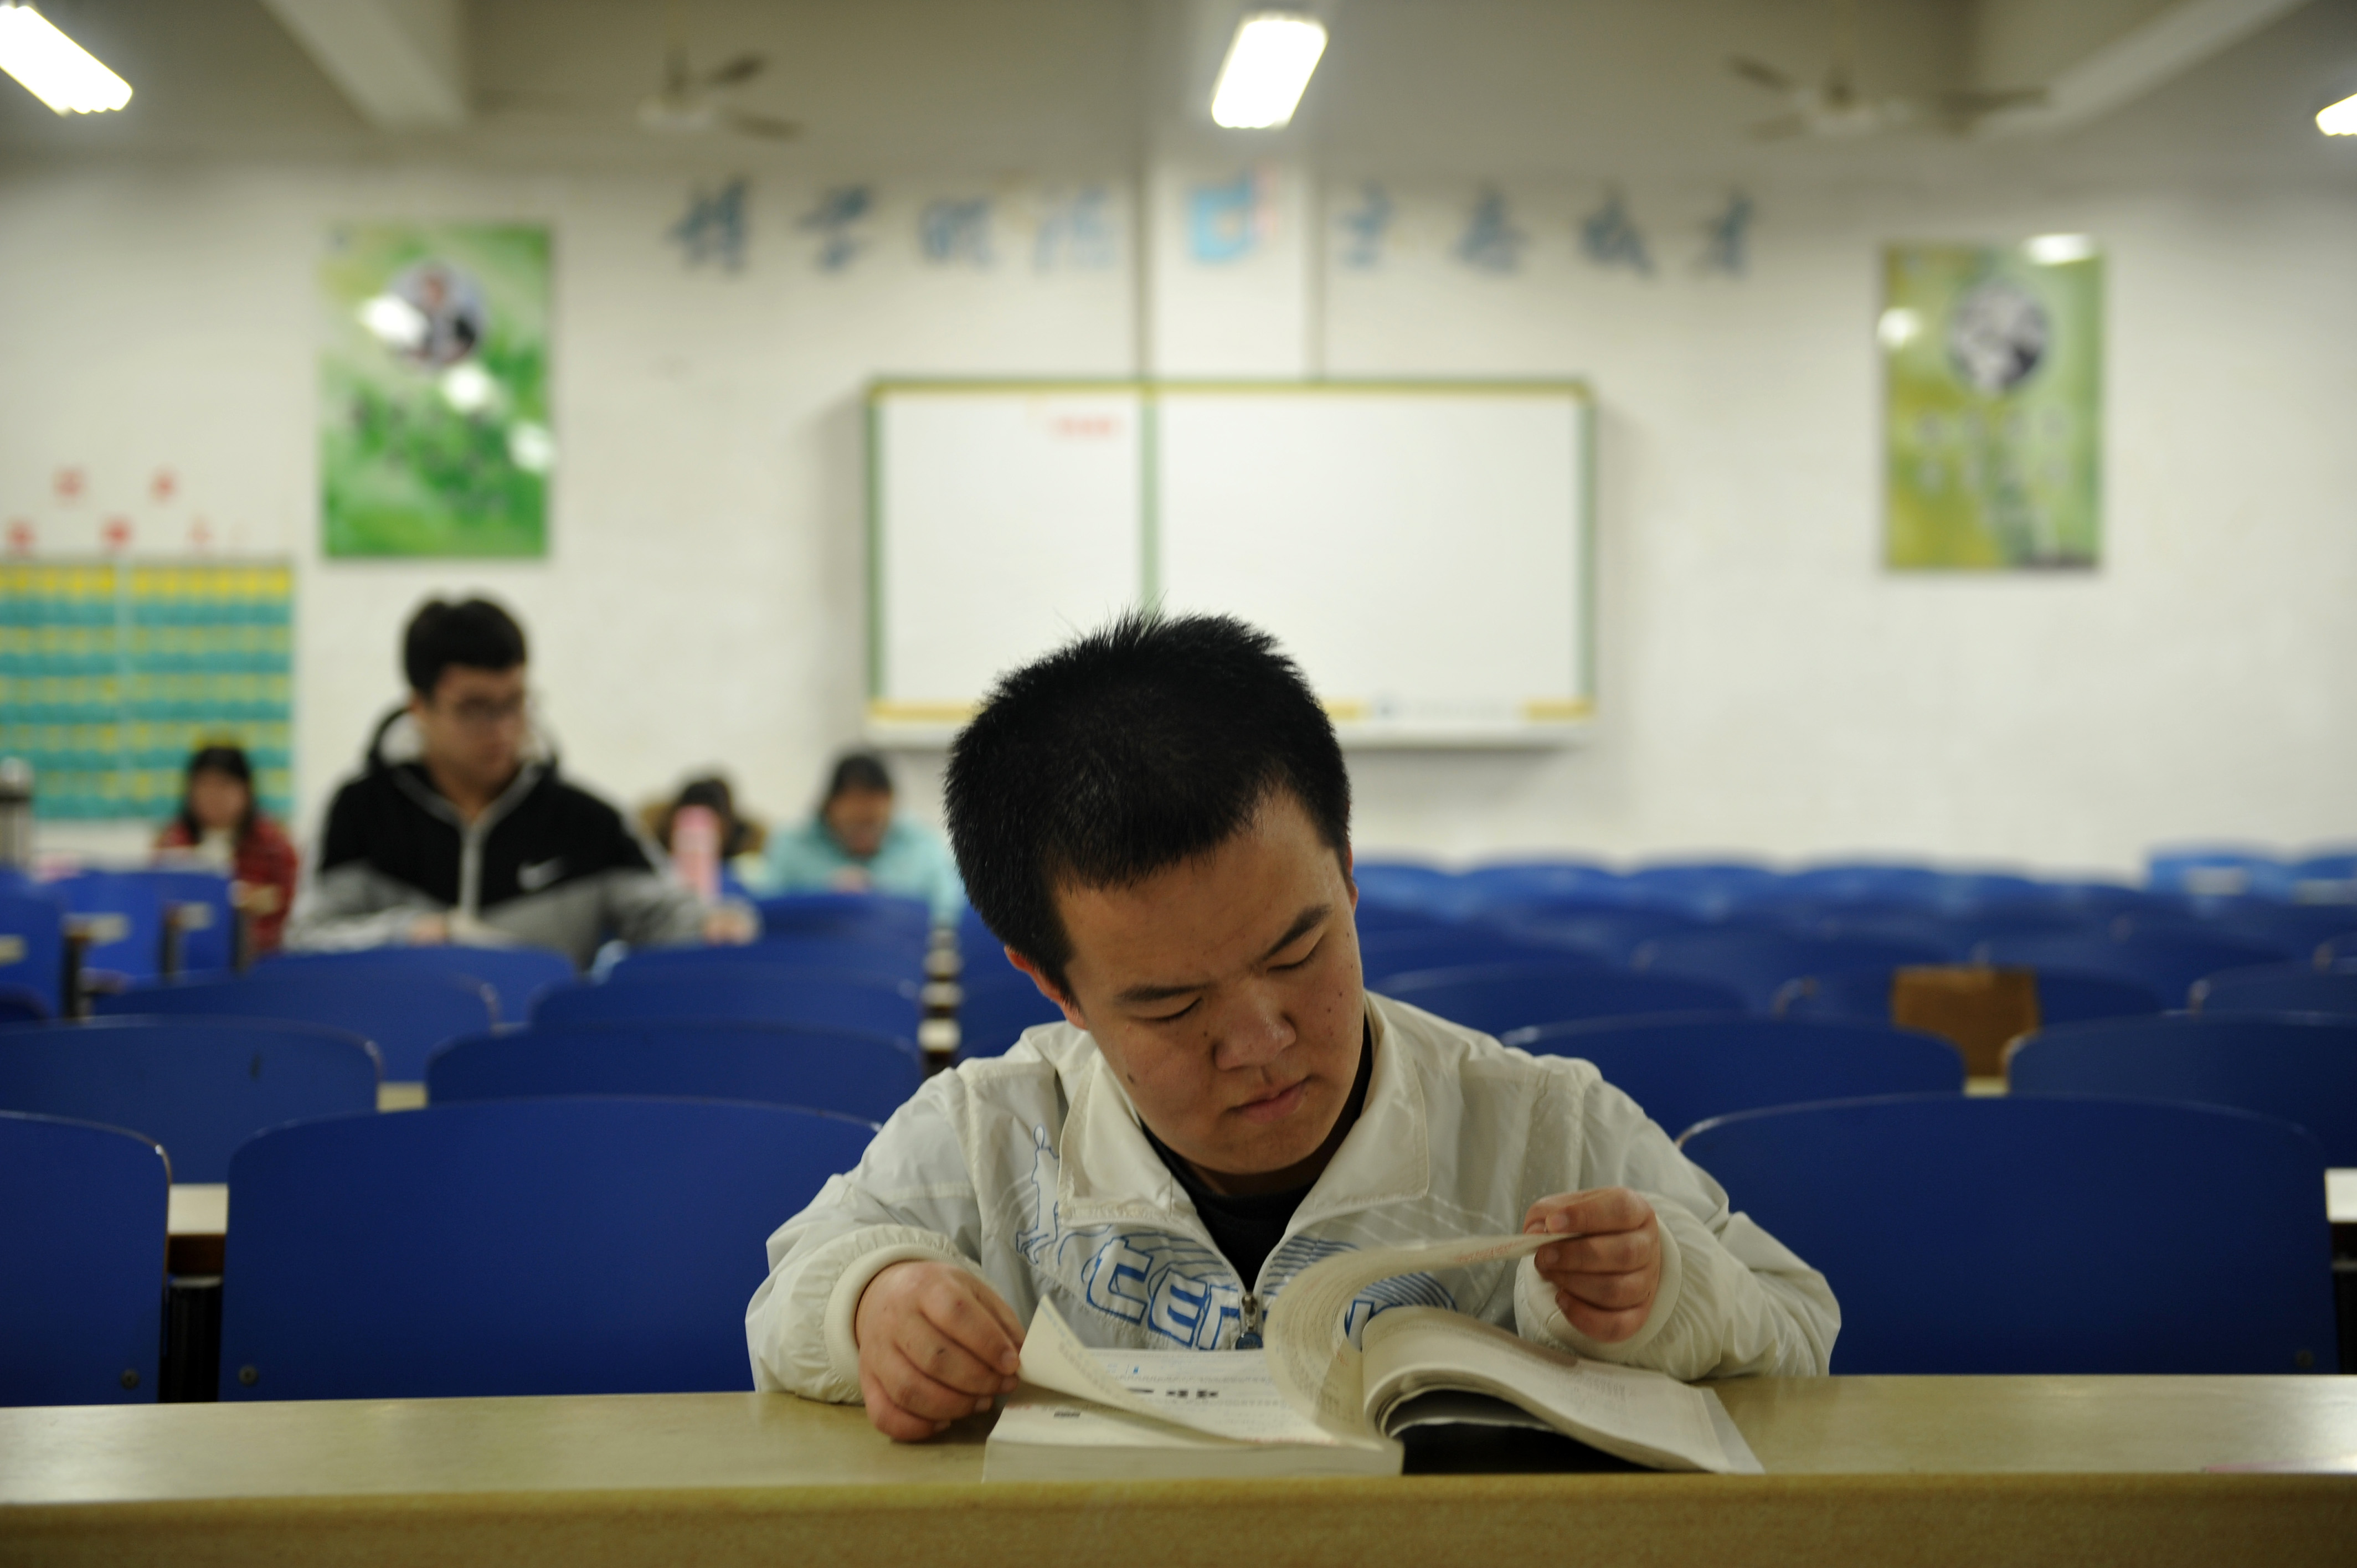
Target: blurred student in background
x,y
855,844
460,829
742,839
221,825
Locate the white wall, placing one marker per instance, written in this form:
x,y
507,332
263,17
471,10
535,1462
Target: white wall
x,y
1766,686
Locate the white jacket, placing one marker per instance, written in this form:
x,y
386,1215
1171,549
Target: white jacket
x,y
1032,1171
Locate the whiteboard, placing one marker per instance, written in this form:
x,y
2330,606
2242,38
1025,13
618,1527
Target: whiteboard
x,y
1421,548
1001,521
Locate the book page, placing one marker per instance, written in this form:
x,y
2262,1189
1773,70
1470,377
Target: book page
x,y
1310,1349
1224,1394
1638,1415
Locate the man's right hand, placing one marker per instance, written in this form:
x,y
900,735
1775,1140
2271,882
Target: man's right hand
x,y
935,1344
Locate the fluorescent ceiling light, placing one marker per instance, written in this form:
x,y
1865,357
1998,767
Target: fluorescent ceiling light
x,y
1267,67
1899,327
53,67
2056,250
2340,119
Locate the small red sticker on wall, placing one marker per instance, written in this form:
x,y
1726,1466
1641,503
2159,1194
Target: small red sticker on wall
x,y
117,534
201,534
165,485
70,483
21,537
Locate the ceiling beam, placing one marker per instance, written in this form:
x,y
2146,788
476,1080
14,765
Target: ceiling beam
x,y
2156,48
403,63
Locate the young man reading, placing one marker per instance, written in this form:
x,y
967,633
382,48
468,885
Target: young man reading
x,y
460,829
1155,823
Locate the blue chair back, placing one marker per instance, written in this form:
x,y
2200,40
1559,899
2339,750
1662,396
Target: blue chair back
x,y
516,975
33,947
131,898
1613,935
2138,1228
1682,1070
2222,871
1386,954
1705,890
1504,885
23,1004
2298,929
2166,963
1862,995
403,1015
206,919
2303,1070
1496,998
816,955
993,1017
847,916
864,1076
512,1247
1756,964
1404,885
198,1087
2277,988
81,1320
754,993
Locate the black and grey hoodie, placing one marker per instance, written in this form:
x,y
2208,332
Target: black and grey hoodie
x,y
547,864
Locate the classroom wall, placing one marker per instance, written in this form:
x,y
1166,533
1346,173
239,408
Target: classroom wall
x,y
1765,687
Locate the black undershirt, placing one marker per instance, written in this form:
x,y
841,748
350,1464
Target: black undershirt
x,y
1247,1230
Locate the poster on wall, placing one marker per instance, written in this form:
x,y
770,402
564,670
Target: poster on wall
x,y
435,434
1993,361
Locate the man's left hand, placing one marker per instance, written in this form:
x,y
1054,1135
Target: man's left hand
x,y
1608,1268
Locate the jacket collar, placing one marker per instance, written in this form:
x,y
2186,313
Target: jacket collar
x,y
1108,1171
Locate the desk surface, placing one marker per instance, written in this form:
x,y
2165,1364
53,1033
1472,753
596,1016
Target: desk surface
x,y
1981,1470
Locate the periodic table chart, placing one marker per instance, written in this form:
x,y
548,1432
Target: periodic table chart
x,y
112,671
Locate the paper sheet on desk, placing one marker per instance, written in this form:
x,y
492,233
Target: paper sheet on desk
x,y
1310,1349
1221,1393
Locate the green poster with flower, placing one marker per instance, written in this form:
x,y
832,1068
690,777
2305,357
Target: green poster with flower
x,y
435,434
1993,364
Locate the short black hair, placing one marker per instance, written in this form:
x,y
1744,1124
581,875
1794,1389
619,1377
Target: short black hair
x,y
230,761
1139,746
860,771
478,634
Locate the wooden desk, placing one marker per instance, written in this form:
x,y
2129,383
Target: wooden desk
x,y
1886,1471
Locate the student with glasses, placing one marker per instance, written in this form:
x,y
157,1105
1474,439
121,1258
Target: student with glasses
x,y
460,829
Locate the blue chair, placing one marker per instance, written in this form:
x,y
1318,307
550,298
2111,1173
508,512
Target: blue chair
x,y
866,1076
1956,934
840,955
1612,934
1868,882
1682,1070
2338,951
1495,998
2224,871
1757,963
81,1320
1511,883
516,975
1705,890
23,1004
200,1088
847,916
993,1017
1386,954
1862,995
205,918
2031,1234
2277,988
1382,920
133,903
753,993
33,946
512,1247
2298,929
1404,885
403,1015
2301,1070
2166,963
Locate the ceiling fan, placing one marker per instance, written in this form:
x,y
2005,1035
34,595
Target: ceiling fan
x,y
1835,107
690,101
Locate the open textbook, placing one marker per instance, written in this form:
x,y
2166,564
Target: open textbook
x,y
1314,1404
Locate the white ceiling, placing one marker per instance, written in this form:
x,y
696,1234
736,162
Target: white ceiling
x,y
1439,87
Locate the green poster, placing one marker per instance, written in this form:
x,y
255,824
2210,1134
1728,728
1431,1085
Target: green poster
x,y
435,434
1993,362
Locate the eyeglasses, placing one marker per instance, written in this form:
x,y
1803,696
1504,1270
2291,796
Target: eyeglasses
x,y
479,713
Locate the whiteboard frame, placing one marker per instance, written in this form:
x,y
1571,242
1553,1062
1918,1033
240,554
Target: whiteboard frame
x,y
928,727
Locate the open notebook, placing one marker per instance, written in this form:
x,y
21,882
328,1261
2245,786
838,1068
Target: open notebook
x,y
1313,1404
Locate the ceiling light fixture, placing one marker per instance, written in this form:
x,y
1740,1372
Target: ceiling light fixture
x,y
53,67
2059,250
1268,65
2340,120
